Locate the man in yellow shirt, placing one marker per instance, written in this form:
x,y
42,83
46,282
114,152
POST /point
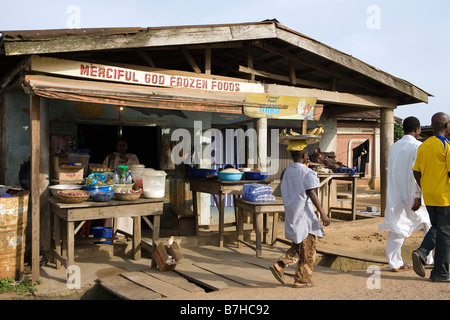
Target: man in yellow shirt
x,y
432,173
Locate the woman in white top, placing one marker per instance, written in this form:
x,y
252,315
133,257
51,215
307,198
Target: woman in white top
x,y
121,157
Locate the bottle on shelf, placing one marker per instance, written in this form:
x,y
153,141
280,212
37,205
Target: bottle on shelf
x,y
129,178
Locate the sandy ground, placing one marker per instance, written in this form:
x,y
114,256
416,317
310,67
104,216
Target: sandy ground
x,y
368,282
347,279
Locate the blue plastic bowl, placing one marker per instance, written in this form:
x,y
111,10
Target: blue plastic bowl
x,y
230,176
93,190
256,175
103,196
200,173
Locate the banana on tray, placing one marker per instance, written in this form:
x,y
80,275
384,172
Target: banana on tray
x,y
318,131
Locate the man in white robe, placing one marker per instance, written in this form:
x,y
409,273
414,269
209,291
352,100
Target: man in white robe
x,y
302,225
405,212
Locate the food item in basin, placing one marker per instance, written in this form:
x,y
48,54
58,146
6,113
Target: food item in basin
x,y
128,194
72,196
230,174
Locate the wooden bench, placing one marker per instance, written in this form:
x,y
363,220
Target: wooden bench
x,y
259,210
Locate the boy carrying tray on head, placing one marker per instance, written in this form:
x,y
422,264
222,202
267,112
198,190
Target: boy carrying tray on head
x,y
302,226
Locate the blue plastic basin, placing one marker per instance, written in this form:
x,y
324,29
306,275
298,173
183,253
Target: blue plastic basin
x,y
93,190
200,173
230,176
256,175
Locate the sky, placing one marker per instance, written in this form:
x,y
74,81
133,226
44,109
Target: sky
x,y
407,39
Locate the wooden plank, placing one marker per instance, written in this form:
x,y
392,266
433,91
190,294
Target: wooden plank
x,y
352,255
245,274
163,288
205,278
127,289
175,279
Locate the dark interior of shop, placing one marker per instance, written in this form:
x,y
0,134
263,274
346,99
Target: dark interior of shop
x,y
101,140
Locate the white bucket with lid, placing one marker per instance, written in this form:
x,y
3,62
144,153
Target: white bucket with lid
x,y
154,183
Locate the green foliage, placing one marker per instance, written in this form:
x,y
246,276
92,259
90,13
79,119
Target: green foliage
x,y
10,285
398,132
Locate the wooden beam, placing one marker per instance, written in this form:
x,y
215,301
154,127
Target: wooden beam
x,y
334,97
279,77
351,63
190,60
11,75
146,57
35,117
325,69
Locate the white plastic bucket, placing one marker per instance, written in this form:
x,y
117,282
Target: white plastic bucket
x,y
154,183
137,171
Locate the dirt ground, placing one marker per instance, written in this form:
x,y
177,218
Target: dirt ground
x,y
366,281
354,280
346,279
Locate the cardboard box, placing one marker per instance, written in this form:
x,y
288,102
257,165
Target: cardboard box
x,y
161,255
66,173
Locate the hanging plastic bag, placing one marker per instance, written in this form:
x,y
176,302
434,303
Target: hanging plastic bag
x,y
166,162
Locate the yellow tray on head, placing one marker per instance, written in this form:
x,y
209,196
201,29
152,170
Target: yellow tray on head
x,y
310,139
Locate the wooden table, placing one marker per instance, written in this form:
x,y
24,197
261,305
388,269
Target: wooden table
x,y
65,215
218,189
260,210
325,181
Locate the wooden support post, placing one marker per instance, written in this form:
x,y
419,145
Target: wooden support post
x,y
262,143
35,115
3,148
250,62
386,140
208,60
44,177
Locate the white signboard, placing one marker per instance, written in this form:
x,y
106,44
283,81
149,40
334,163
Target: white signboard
x,y
103,72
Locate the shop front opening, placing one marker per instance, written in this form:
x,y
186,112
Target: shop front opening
x,y
144,142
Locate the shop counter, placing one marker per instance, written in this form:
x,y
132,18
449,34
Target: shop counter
x,y
218,189
65,215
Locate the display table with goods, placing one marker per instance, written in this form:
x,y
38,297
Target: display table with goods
x,y
210,183
324,163
66,215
